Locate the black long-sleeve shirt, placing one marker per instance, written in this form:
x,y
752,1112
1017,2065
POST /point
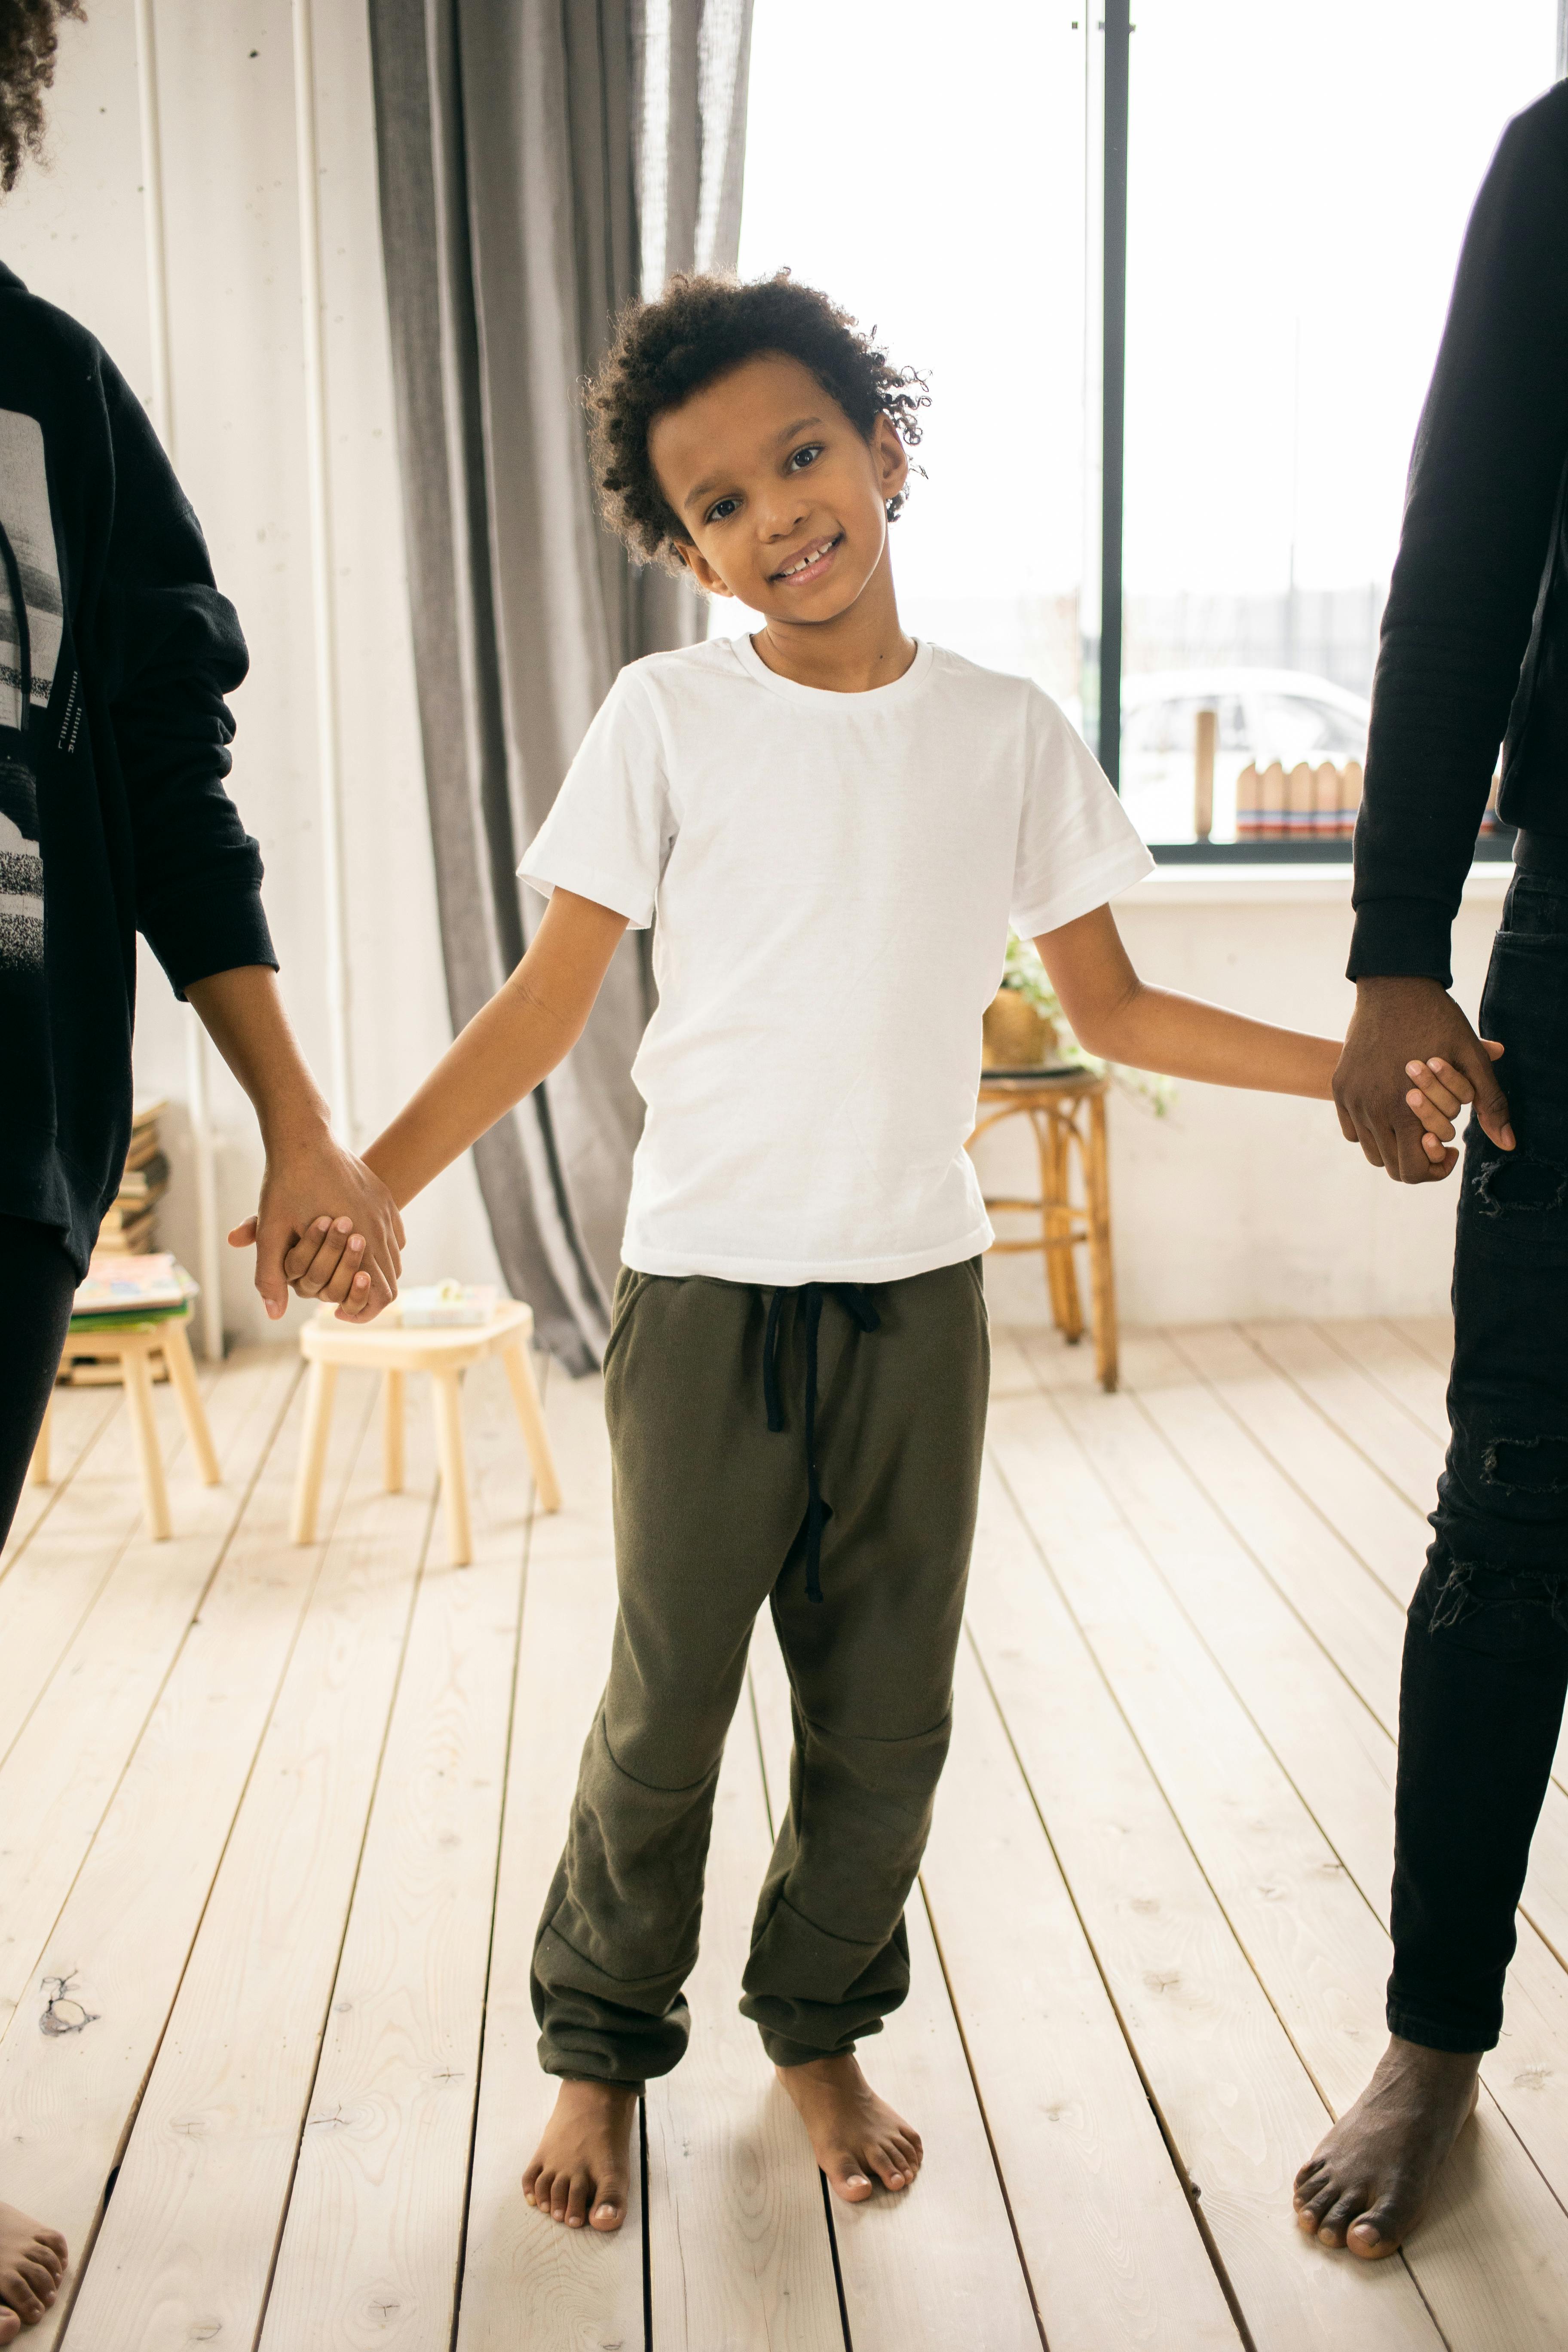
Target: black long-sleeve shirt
x,y
1475,635
116,651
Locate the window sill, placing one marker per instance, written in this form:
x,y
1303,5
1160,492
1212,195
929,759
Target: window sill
x,y
1282,885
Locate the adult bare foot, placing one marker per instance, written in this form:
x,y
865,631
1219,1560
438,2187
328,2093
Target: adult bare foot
x,y
581,2168
1367,2183
854,2134
32,2264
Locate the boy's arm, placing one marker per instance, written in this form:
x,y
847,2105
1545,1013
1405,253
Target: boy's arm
x,y
1114,1014
530,1024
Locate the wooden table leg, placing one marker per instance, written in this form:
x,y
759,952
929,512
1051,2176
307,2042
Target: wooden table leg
x,y
530,1412
1101,1272
138,1378
38,1467
177,1355
392,1432
314,1452
447,1395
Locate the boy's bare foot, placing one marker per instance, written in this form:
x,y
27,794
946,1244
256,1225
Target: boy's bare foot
x,y
854,2134
32,2264
581,2168
1367,2183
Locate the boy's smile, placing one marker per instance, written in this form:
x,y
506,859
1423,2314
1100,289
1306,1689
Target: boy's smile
x,y
782,501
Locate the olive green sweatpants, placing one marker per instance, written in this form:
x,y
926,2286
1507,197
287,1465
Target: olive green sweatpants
x,y
710,1517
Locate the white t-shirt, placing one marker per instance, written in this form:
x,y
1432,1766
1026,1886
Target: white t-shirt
x,y
834,876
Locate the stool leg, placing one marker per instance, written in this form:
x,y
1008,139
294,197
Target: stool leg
x,y
1101,1272
192,1412
138,1380
392,1432
525,1397
447,1398
314,1452
1056,1228
38,1468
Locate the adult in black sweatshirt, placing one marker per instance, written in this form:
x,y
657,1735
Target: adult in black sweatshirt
x,y
116,652
1474,652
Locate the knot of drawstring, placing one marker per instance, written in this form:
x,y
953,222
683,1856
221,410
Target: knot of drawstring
x,y
861,1312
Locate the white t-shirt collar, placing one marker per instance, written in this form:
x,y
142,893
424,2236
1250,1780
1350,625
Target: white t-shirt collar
x,y
899,689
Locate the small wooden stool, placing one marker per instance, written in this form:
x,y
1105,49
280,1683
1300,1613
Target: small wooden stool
x,y
136,1344
445,1351
1066,1111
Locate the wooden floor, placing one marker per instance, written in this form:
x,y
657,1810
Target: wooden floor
x,y
276,1824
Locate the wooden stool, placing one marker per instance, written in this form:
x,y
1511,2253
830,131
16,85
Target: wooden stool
x,y
136,1344
1066,1111
445,1352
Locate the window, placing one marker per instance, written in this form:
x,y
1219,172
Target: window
x,y
1231,377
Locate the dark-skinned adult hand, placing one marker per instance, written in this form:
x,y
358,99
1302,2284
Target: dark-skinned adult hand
x,y
1395,1020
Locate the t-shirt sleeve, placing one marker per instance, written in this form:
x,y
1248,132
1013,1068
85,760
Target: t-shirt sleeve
x,y
610,831
1077,845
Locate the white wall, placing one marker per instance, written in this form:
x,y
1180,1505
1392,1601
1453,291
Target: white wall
x,y
1241,1204
76,231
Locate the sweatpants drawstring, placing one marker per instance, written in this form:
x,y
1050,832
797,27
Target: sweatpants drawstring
x,y
861,1312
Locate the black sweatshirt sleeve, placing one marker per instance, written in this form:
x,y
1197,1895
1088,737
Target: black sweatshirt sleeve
x,y
1489,456
172,649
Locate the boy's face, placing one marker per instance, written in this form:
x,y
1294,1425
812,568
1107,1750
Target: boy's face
x,y
784,502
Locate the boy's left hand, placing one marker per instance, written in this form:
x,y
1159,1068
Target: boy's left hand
x,y
1438,1094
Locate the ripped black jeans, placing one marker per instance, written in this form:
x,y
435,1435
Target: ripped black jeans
x,y
1486,1645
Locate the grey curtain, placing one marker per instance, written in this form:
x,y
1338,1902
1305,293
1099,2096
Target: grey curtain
x,y
541,163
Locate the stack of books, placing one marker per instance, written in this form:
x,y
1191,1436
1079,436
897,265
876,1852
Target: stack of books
x,y
130,1221
120,1289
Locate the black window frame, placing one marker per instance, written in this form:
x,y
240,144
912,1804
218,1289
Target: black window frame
x,y
1107,95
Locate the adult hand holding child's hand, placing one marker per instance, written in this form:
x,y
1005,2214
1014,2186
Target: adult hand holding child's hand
x,y
353,1260
1394,1017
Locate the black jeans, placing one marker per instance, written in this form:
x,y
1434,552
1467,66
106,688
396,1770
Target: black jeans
x,y
1485,1645
38,1282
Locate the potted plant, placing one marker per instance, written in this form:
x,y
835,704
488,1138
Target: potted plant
x,y
1022,1027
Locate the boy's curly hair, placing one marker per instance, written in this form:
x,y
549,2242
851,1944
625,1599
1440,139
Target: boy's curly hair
x,y
29,35
701,326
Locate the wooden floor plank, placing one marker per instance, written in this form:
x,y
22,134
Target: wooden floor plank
x,y
373,2241
1266,1402
1432,1335
64,1768
1494,2251
1408,1453
55,1582
1110,2236
525,2281
189,2238
1230,2089
122,1939
1380,1526
739,2251
1401,1370
1337,1755
78,1418
937,2264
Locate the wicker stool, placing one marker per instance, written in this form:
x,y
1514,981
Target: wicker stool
x,y
444,1351
1066,1111
136,1344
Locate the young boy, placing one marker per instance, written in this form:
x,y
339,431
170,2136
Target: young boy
x,y
835,826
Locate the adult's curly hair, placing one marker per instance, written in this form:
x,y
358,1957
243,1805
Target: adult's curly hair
x,y
30,35
700,327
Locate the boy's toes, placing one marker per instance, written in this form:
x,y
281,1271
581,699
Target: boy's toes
x,y
577,2196
16,2292
848,2180
10,2327
536,2187
610,2208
